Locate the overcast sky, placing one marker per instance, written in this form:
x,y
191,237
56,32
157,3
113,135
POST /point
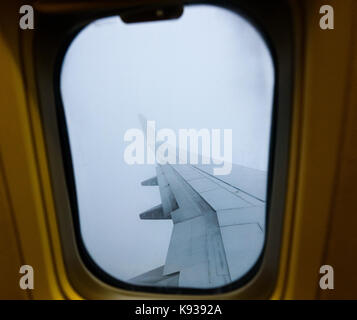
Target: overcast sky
x,y
208,69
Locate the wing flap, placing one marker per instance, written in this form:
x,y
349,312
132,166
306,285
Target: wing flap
x,y
243,244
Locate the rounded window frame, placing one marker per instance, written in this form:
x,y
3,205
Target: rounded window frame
x,y
53,36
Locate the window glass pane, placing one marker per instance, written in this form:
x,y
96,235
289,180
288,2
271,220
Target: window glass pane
x,y
169,127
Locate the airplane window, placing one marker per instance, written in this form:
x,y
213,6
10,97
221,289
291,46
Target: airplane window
x,y
169,130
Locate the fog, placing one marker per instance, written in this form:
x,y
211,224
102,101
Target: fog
x,y
208,69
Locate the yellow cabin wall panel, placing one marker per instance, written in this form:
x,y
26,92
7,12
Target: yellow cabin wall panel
x,y
327,64
19,161
323,65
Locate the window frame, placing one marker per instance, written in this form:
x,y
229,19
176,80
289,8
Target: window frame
x,y
54,33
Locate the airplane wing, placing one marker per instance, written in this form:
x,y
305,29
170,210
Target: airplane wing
x,y
218,225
